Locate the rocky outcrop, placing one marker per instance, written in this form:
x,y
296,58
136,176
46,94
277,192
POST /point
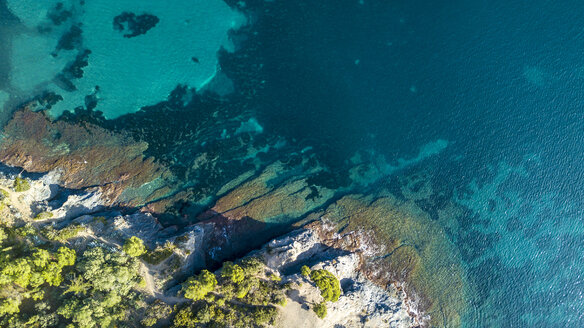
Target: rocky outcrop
x,y
395,265
361,304
274,196
85,156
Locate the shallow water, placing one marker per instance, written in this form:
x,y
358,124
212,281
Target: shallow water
x,y
472,109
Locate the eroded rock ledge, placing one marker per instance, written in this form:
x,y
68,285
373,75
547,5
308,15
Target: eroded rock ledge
x,y
86,156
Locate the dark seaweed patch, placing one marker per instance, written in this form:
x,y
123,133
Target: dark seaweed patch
x,y
59,14
71,39
74,70
134,25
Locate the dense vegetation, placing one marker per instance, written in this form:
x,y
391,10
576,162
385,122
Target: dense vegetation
x,y
44,283
327,283
241,295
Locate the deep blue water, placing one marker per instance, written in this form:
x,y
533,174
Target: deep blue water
x,y
501,81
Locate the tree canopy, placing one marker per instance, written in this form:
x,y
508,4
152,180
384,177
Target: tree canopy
x,y
327,283
134,247
196,288
232,272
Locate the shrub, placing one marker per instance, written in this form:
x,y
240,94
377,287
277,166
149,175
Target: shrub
x,y
24,231
264,315
196,288
232,272
275,277
159,254
305,271
329,286
280,299
320,310
156,311
3,235
64,234
134,247
101,219
243,288
43,216
252,265
21,184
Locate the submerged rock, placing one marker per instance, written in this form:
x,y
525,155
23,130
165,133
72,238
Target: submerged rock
x,y
402,244
86,156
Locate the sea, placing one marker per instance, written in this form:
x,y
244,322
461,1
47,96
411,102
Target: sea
x,y
481,100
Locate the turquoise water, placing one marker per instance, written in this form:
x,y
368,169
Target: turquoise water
x,y
121,70
484,98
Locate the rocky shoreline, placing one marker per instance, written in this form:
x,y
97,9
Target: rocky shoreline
x,y
396,266
362,303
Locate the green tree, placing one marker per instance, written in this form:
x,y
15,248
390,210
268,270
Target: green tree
x,y
66,256
305,271
68,308
134,247
232,272
21,184
329,286
52,274
196,288
40,258
43,317
18,271
156,311
252,266
9,306
109,271
320,310
77,286
3,235
185,318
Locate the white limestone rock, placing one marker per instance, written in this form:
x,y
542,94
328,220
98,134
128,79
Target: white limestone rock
x,y
296,246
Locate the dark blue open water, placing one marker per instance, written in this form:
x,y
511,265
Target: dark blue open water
x,y
500,81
